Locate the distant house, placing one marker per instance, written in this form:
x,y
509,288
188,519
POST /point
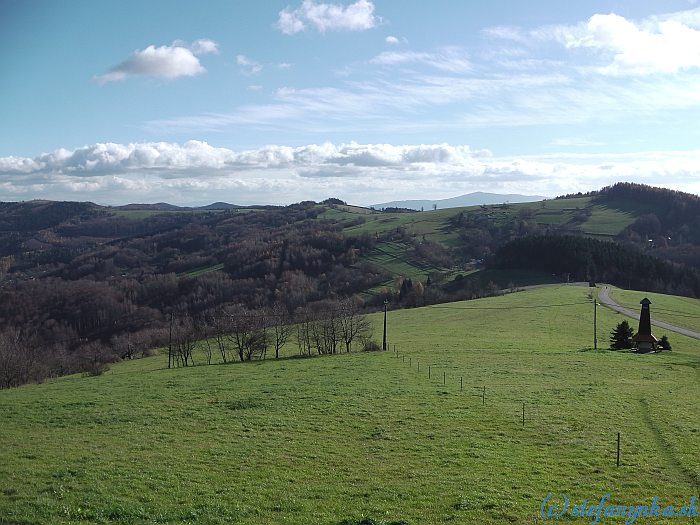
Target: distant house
x,y
644,340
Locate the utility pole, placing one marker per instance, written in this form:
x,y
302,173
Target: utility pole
x,y
595,323
384,338
170,341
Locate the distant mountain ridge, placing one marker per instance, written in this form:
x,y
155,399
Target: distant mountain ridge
x,y
164,206
468,199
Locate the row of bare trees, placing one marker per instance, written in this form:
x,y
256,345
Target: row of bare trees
x,y
237,333
232,333
332,326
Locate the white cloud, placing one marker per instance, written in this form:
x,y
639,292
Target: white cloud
x,y
358,16
410,101
512,33
198,172
391,40
665,44
248,66
450,59
204,47
176,60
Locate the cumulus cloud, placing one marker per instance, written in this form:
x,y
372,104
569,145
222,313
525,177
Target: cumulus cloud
x,y
198,172
169,62
450,59
358,16
391,40
655,45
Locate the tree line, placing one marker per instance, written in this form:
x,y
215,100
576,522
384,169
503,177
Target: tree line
x,y
585,258
227,334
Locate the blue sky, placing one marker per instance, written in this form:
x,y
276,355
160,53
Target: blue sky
x,y
369,101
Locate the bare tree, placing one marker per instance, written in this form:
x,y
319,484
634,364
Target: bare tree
x,y
184,341
17,359
353,325
248,333
280,328
94,358
125,345
220,323
203,331
325,328
304,319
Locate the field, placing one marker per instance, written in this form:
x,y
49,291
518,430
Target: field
x,y
681,311
432,224
368,437
395,257
602,221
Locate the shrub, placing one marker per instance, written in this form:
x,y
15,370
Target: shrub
x,y
664,343
371,346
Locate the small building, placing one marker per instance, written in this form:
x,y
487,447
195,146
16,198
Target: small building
x,y
644,341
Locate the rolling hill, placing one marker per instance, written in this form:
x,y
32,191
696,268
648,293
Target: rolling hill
x,y
85,281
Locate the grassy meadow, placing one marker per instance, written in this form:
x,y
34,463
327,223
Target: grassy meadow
x,y
368,437
599,220
681,311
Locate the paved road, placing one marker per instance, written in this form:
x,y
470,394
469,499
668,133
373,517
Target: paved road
x,y
604,298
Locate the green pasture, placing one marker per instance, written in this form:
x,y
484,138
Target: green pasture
x,y
681,311
202,271
606,220
368,438
396,258
433,224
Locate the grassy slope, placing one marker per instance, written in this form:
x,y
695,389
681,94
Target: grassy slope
x,y
681,311
432,224
322,440
396,258
202,271
604,221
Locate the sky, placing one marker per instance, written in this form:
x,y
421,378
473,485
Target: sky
x,y
274,102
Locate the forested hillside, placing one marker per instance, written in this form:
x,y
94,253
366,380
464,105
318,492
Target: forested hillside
x,y
82,284
583,258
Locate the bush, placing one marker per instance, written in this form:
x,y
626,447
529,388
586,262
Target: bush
x,y
664,343
371,346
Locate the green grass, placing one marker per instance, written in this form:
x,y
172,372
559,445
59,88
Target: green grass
x,y
202,271
321,441
606,220
432,224
395,257
681,311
